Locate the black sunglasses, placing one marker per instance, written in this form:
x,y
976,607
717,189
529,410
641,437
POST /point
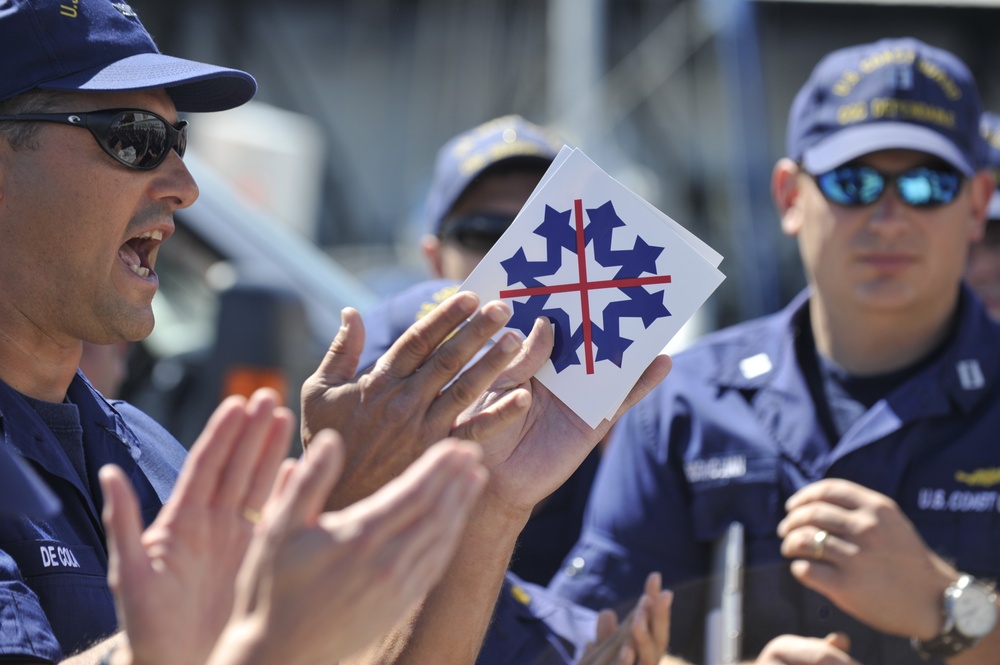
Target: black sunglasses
x,y
921,187
478,232
138,139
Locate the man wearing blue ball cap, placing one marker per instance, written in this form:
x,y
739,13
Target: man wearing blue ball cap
x,y
853,433
90,175
482,177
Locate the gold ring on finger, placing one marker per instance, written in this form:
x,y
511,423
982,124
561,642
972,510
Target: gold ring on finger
x,y
819,544
251,515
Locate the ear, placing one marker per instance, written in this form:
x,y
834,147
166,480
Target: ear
x,y
785,192
431,247
981,187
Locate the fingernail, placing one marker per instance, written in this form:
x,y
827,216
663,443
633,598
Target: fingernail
x,y
510,342
497,311
467,301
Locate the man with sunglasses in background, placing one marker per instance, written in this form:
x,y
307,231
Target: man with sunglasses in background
x,y
983,270
853,433
482,178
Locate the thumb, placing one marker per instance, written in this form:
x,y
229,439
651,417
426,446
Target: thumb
x,y
341,361
607,624
123,527
839,640
535,350
313,479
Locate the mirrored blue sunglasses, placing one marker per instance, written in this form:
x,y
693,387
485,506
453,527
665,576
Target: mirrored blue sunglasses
x,y
921,187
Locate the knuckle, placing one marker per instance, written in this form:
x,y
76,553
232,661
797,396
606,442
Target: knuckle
x,y
448,360
365,543
885,507
397,411
417,343
462,392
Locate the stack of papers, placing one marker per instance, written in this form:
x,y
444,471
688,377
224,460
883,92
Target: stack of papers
x,y
616,277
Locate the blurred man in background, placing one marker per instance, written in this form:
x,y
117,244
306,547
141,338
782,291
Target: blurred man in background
x,y
482,178
983,272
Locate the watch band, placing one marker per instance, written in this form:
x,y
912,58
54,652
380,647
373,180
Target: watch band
x,y
951,640
943,646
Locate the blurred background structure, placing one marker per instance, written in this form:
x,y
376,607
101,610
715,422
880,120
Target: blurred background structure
x,y
684,101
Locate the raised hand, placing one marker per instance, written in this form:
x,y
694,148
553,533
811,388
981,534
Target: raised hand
x,y
529,452
317,587
173,583
643,636
539,450
410,398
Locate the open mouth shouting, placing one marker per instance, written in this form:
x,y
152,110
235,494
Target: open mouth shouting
x,y
138,253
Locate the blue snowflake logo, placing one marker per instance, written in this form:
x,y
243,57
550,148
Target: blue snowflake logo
x,y
566,230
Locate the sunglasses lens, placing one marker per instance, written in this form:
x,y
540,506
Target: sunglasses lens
x,y
924,187
138,139
477,232
182,140
851,185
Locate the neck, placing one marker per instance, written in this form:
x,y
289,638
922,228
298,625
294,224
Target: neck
x,y
37,367
866,343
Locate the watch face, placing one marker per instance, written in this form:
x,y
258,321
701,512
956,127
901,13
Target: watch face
x,y
974,611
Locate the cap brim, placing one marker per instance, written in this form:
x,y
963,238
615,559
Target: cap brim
x,y
22,492
439,210
853,142
193,86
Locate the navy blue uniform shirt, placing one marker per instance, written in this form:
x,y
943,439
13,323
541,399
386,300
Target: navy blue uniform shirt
x,y
54,596
733,432
532,626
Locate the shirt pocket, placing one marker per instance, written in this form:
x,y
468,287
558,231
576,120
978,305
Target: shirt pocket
x,y
735,487
71,584
965,532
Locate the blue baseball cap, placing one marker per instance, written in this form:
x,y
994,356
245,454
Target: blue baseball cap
x,y
990,127
467,156
388,320
893,93
100,46
22,492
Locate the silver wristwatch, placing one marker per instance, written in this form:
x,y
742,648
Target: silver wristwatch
x,y
970,613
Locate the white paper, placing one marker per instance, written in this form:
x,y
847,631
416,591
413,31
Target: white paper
x,y
642,277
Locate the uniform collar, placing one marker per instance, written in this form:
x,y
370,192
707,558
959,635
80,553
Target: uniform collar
x,y
26,434
960,378
100,412
969,365
756,360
